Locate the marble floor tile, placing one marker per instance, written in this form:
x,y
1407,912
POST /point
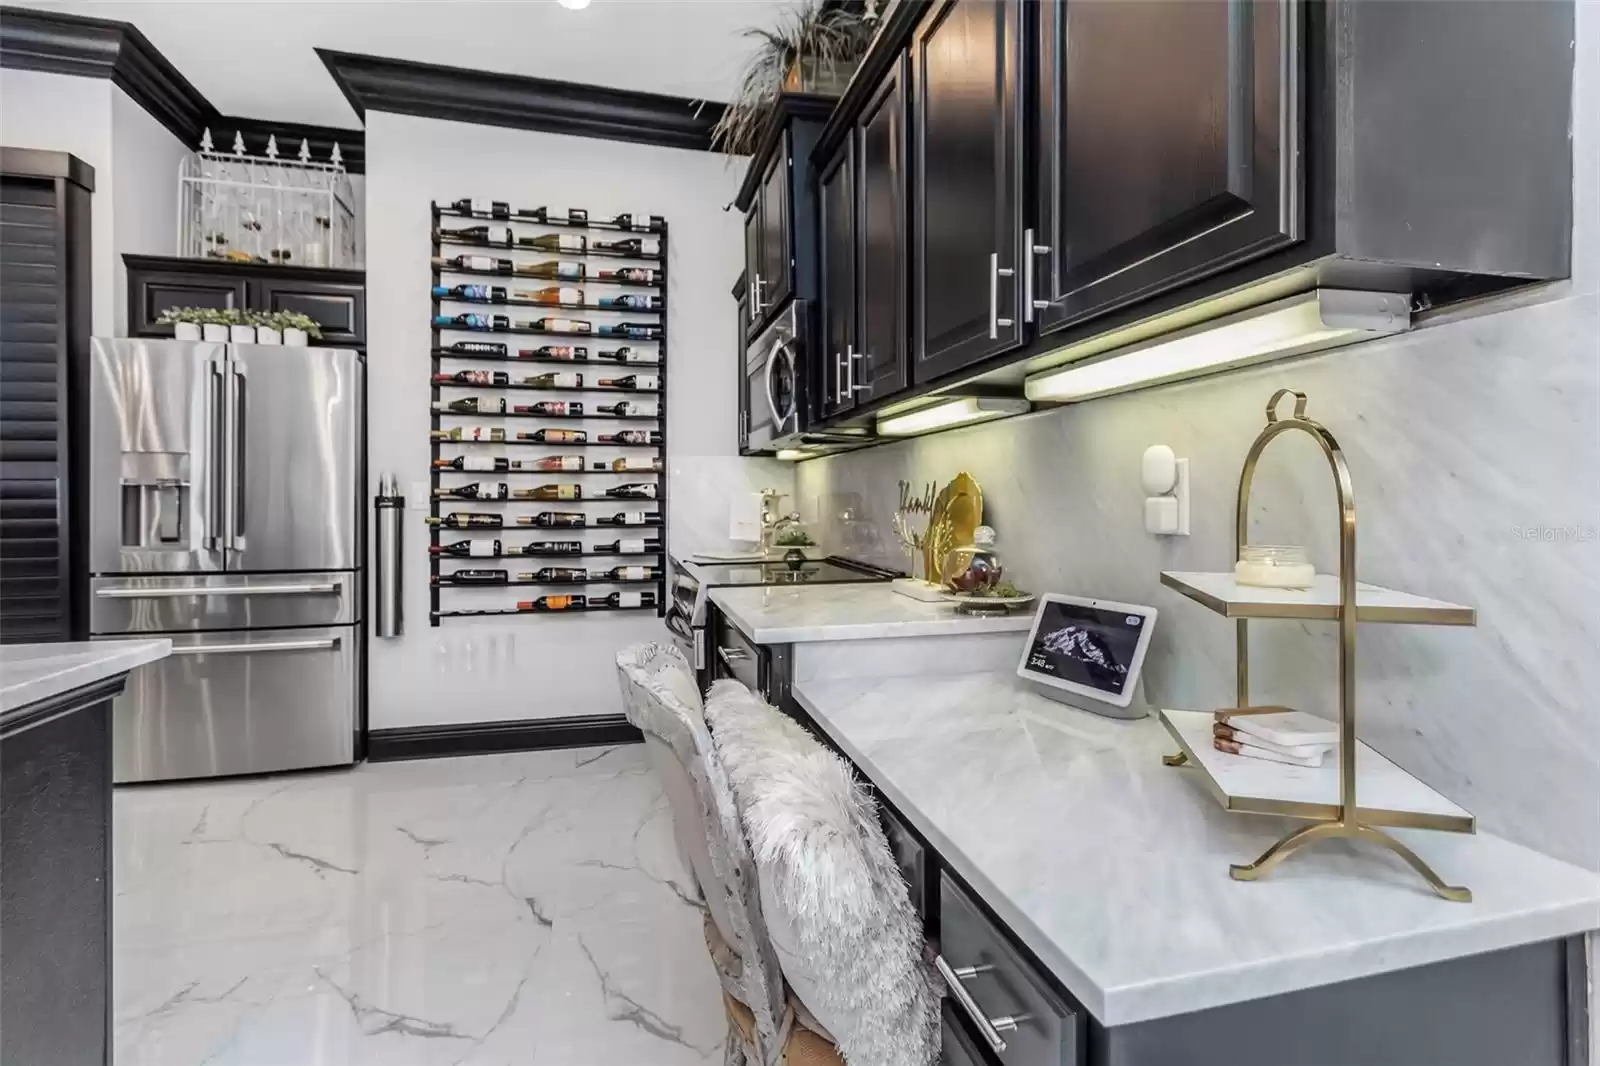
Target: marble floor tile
x,y
507,910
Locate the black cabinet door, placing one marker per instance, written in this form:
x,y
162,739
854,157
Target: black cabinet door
x,y
777,244
741,298
339,308
1169,146
752,263
877,366
152,292
837,206
967,185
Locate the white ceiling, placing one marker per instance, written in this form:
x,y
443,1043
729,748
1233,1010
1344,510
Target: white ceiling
x,y
254,58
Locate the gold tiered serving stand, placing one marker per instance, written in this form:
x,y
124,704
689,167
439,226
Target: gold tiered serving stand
x,y
1394,797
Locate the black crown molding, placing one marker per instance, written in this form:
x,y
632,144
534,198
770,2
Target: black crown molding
x,y
56,43
460,95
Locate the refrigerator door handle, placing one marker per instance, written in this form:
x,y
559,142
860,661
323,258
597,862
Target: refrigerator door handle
x,y
219,590
215,401
326,643
238,406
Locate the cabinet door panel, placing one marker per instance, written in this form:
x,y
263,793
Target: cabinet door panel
x,y
151,293
752,262
967,199
838,289
777,248
878,364
744,389
1149,182
339,309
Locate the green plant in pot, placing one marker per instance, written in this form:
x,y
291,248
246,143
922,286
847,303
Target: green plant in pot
x,y
811,49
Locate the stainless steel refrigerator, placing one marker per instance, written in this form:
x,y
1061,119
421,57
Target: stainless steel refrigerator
x,y
225,513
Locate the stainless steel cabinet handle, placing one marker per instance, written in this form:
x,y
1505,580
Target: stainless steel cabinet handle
x,y
732,653
1029,304
204,590
838,377
755,295
989,1027
996,272
853,355
324,644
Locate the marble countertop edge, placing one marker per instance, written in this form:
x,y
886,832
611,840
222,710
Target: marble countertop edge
x,y
33,672
863,611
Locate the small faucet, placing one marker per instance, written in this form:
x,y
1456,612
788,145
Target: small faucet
x,y
771,521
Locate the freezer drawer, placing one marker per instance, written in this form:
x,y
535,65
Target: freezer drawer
x,y
240,703
205,602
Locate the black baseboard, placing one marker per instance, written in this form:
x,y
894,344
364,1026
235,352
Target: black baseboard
x,y
488,738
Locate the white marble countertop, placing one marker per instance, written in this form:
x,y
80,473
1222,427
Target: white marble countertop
x,y
1113,868
33,672
780,615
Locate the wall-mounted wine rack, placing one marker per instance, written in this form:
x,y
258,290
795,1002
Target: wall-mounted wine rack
x,y
480,247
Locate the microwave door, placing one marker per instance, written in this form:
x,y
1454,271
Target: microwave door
x,y
293,458
155,472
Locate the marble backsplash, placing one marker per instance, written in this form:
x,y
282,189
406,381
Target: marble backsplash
x,y
1472,442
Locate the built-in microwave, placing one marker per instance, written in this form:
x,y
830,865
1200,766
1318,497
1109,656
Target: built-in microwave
x,y
773,381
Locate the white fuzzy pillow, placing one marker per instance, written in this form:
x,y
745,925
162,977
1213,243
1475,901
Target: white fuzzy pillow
x,y
843,909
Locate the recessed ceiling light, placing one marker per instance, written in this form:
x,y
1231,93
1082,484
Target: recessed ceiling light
x,y
573,5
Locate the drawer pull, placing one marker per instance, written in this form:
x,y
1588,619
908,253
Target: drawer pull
x,y
991,1028
729,654
218,590
325,644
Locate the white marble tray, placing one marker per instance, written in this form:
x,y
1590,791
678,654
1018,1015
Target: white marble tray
x,y
1386,794
1223,594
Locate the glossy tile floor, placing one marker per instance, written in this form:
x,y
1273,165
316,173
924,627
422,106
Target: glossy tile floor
x,y
493,911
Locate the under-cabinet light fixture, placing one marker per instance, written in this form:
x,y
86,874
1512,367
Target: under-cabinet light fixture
x,y
574,5
950,413
1310,322
792,455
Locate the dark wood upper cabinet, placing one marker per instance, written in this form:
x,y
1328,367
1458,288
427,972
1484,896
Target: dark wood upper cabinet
x,y
877,364
967,171
1169,146
335,299
837,285
777,242
338,307
741,297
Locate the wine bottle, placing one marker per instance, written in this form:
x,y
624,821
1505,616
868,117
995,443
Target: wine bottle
x,y
483,294
626,463
474,577
556,242
498,236
476,549
644,247
563,519
626,354
492,208
630,518
555,294
550,409
551,492
630,546
472,405
554,270
453,433
473,491
631,301
636,382
556,436
457,433
557,462
628,409
628,276
634,331
630,573
468,520
618,600
486,464
552,547
479,348
568,352
480,264
555,380
638,490
576,215
556,574
553,603
631,436
473,377
483,322
639,221
560,325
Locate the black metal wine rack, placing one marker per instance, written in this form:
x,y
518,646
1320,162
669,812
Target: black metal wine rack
x,y
473,435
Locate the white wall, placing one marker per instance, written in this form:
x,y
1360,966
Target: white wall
x,y
65,114
538,667
144,159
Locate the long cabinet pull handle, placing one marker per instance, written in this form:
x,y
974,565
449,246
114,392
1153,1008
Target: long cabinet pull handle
x,y
1030,303
203,590
215,400
326,643
996,272
851,356
989,1027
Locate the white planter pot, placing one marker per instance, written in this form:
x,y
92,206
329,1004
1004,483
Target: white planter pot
x,y
242,334
295,338
214,333
186,331
268,335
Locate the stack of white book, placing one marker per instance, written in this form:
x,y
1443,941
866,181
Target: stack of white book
x,y
1285,736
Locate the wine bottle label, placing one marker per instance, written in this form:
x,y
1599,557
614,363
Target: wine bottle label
x,y
562,462
481,207
481,549
649,246
640,220
568,295
565,325
569,243
477,262
567,492
566,381
630,599
569,271
499,235
631,573
633,518
477,462
634,463
631,546
647,382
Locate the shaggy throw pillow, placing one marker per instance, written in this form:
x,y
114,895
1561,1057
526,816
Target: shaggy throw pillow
x,y
830,883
